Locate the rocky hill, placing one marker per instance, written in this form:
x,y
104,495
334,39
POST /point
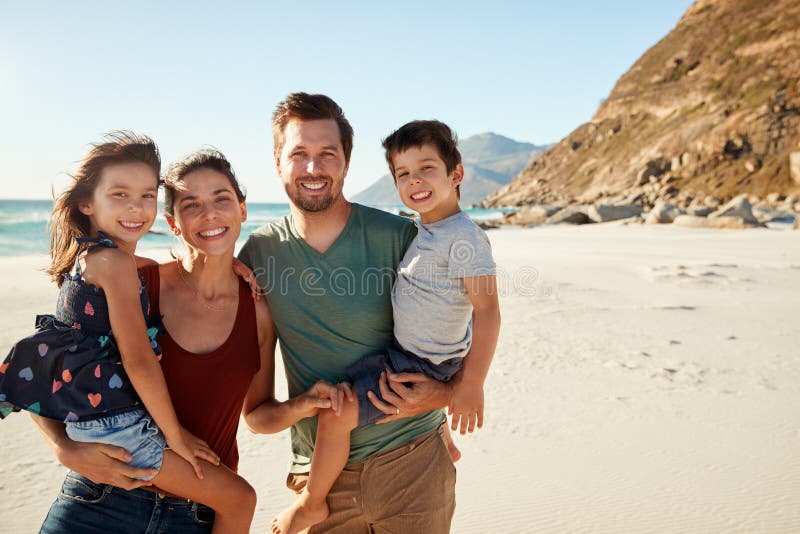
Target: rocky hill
x,y
490,162
711,111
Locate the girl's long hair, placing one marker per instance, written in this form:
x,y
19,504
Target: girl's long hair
x,y
67,222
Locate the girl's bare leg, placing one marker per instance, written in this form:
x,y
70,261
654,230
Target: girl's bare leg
x,y
229,495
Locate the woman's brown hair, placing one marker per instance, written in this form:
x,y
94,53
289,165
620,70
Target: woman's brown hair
x,y
67,222
207,158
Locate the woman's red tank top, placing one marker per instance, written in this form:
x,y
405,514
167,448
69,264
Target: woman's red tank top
x,y
208,390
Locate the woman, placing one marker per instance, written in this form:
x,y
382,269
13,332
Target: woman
x,y
214,330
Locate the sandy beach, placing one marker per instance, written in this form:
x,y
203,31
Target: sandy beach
x,y
647,379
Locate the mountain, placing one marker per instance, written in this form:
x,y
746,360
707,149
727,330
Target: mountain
x,y
711,110
490,161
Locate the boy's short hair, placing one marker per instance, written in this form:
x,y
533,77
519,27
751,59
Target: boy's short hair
x,y
306,107
418,133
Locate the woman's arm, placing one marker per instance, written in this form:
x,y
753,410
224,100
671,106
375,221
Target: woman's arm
x,y
100,463
263,413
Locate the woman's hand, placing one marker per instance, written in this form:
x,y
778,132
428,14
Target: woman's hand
x,y
103,464
323,395
100,463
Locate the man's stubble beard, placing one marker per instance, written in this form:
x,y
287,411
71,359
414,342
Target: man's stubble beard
x,y
312,205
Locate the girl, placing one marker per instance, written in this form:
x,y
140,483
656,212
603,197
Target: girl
x,y
75,370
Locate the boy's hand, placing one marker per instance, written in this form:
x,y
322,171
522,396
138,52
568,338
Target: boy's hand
x,y
192,449
466,406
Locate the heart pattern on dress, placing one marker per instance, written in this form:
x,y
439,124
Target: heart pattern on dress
x,y
115,382
66,375
88,309
94,399
26,374
42,348
97,371
57,385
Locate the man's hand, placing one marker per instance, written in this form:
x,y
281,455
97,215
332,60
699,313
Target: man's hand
x,y
103,464
245,273
466,407
408,394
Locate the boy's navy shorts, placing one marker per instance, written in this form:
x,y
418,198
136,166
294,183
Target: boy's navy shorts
x,y
366,373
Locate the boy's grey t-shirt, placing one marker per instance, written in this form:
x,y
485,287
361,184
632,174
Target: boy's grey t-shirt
x,y
432,311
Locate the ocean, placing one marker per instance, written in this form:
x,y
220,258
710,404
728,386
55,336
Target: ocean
x,y
23,224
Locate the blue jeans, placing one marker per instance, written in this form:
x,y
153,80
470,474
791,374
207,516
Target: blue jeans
x,y
88,508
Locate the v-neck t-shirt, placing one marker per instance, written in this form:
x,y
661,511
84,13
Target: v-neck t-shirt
x,y
331,309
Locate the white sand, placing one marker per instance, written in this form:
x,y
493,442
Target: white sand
x,y
647,380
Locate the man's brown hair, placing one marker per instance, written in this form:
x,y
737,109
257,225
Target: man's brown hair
x,y
306,107
414,134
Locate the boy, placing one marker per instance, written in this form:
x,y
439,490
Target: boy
x,y
445,306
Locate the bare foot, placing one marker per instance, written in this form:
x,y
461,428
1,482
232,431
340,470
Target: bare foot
x,y
301,515
455,454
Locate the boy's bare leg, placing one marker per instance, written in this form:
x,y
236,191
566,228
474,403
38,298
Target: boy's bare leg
x,y
455,454
229,495
331,449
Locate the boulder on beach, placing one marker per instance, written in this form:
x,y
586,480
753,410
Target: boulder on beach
x,y
489,225
534,214
699,211
663,213
722,223
768,215
601,213
738,207
570,215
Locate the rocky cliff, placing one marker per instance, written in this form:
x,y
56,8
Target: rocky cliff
x,y
709,112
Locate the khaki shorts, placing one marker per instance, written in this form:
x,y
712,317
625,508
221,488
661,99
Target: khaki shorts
x,y
407,489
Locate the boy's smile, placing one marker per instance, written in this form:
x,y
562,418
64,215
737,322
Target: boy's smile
x,y
424,184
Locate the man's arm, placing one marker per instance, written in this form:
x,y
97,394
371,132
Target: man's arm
x,y
100,463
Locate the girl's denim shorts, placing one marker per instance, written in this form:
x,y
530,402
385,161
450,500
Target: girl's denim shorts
x,y
135,431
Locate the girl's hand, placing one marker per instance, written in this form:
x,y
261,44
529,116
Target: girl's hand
x,y
193,449
466,406
323,395
245,273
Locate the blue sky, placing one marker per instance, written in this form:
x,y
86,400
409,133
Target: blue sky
x,y
191,74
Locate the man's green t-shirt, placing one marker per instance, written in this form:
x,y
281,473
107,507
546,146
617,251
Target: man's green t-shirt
x,y
332,309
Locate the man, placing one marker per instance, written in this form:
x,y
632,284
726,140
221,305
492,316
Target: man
x,y
327,271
